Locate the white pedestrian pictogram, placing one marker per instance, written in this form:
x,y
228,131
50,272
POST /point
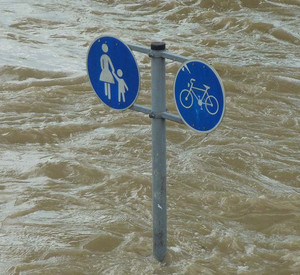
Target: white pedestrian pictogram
x,y
108,76
122,86
108,69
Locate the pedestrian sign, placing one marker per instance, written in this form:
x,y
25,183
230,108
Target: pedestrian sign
x,y
113,72
199,96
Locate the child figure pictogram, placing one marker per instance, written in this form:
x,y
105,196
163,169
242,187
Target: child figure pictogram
x,y
122,86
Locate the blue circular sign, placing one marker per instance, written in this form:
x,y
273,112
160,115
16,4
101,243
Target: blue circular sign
x,y
199,96
113,72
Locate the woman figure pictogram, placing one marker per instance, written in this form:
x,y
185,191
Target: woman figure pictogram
x,y
107,72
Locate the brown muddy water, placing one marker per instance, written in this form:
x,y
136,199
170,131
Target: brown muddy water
x,y
75,176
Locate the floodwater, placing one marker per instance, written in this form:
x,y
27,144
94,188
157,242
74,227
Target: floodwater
x,y
75,176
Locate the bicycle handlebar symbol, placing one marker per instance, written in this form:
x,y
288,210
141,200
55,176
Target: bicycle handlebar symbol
x,y
187,98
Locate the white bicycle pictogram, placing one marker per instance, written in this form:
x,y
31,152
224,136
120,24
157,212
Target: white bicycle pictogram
x,y
187,98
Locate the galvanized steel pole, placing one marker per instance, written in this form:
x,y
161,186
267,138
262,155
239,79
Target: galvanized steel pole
x,y
159,197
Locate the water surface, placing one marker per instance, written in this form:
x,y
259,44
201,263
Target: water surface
x,y
75,176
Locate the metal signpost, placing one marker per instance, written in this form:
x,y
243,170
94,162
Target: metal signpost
x,y
199,97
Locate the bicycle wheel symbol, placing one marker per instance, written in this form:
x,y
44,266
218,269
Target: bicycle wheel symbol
x,y
186,98
211,105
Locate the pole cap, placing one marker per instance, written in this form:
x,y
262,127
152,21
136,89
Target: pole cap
x,y
158,46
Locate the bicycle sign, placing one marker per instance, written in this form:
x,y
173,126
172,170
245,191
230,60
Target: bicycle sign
x,y
199,96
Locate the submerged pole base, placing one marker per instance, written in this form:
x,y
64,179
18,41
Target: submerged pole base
x,y
160,248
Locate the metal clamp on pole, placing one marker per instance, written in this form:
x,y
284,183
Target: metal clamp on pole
x,y
159,153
